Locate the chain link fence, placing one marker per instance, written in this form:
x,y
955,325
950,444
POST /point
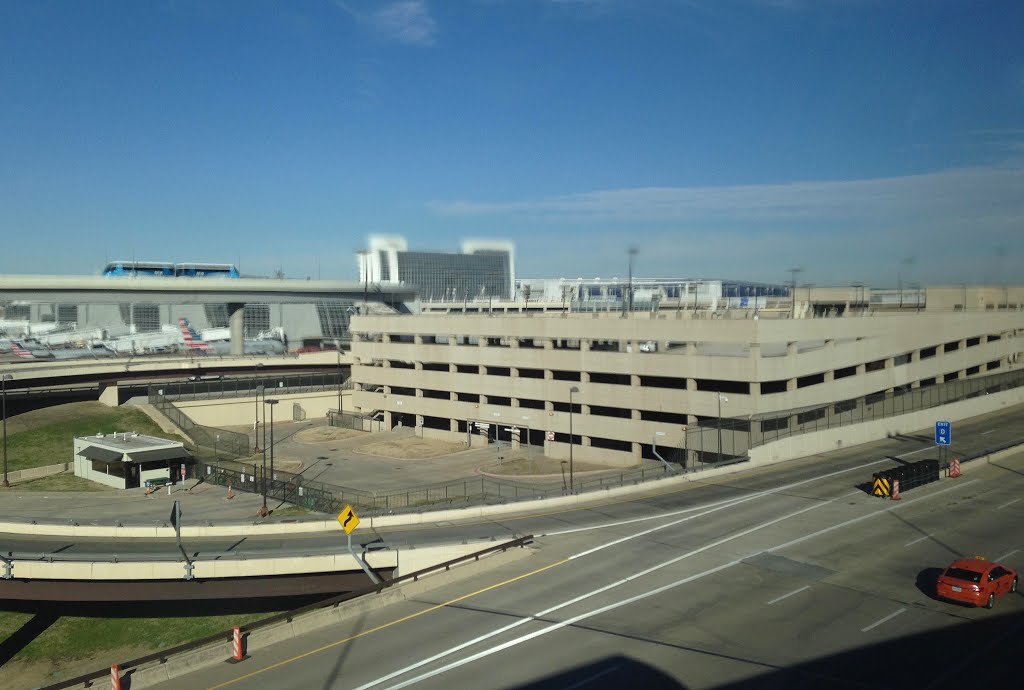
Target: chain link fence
x,y
218,388
281,486
715,441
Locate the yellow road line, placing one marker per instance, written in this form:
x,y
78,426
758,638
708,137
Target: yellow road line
x,y
387,625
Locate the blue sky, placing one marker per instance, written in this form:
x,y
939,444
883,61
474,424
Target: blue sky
x,y
722,138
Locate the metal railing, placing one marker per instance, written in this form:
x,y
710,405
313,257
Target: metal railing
x,y
206,439
701,447
240,387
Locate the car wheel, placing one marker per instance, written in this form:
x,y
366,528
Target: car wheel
x,y
1013,586
991,601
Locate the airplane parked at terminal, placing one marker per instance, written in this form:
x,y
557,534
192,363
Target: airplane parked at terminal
x,y
36,350
195,342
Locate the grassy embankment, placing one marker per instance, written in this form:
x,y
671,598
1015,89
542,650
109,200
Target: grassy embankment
x,y
72,644
44,437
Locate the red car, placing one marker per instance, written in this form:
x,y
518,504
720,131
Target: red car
x,y
976,581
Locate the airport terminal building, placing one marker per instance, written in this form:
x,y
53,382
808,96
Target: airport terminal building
x,y
627,382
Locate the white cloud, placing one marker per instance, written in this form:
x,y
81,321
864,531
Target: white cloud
x,y
405,21
839,230
965,190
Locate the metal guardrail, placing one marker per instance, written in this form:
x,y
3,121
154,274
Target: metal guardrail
x,y
163,655
701,445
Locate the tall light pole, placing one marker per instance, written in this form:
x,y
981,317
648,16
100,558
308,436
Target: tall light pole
x,y
3,382
632,253
259,389
364,254
338,345
721,399
263,510
572,390
271,402
792,289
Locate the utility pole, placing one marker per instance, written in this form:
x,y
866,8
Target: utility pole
x,y
792,289
632,254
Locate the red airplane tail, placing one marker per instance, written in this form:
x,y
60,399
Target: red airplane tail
x,y
192,339
20,351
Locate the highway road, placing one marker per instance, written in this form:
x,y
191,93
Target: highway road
x,y
809,584
971,436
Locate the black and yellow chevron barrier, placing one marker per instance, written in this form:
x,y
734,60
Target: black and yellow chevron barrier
x,y
882,486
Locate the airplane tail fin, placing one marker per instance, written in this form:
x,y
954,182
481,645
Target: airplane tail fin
x,y
20,351
192,339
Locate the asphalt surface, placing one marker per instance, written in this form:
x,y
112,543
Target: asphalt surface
x,y
811,584
207,504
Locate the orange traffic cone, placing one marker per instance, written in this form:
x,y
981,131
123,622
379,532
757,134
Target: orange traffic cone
x,y
954,467
115,677
237,654
231,494
149,490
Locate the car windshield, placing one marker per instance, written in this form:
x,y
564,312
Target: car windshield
x,y
962,574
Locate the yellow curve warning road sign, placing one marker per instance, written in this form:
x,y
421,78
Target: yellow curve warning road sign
x,y
348,519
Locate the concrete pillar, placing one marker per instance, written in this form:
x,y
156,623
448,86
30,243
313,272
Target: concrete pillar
x,y
453,368
634,415
915,356
790,384
453,396
418,366
515,402
417,339
109,394
637,453
236,322
634,380
584,377
549,375
453,426
549,344
830,375
513,372
791,349
584,346
691,385
862,369
388,420
890,362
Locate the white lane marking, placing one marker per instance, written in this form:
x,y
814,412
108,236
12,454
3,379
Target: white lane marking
x,y
726,502
1008,503
592,593
558,626
985,433
591,679
919,539
786,596
1007,555
883,620
571,621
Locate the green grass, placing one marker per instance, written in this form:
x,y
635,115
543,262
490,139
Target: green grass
x,y
48,438
65,481
72,637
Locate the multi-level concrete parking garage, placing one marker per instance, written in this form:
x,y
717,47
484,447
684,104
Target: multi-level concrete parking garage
x,y
625,382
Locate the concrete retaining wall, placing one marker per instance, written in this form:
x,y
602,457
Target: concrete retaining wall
x,y
15,476
242,411
250,567
827,440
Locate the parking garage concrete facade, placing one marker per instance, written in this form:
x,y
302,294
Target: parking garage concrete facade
x,y
645,378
